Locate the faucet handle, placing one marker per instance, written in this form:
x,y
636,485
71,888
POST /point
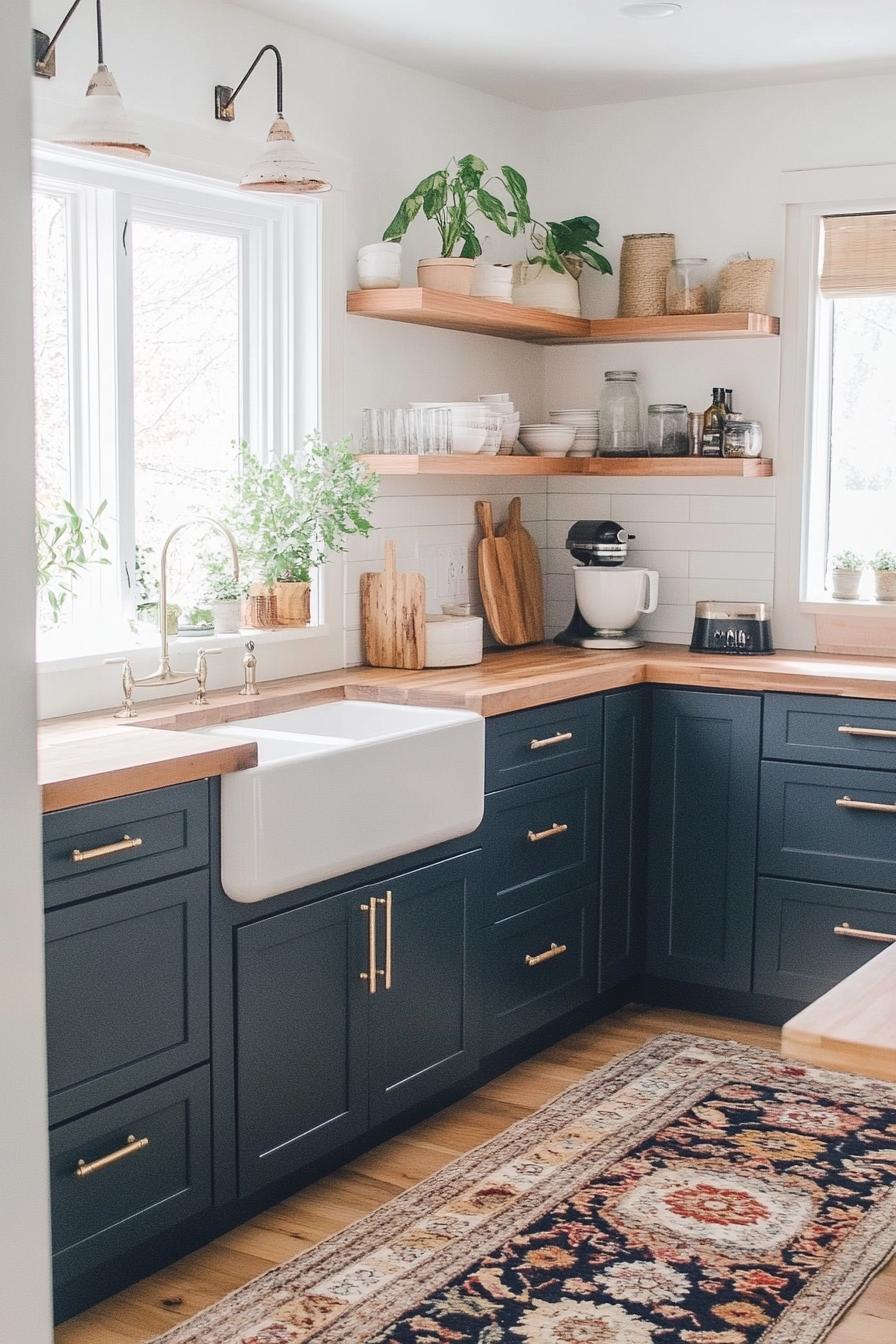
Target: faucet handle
x,y
127,710
202,674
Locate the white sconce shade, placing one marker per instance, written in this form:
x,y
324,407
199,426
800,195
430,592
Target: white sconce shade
x,y
281,166
103,123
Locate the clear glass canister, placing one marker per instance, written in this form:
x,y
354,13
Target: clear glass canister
x,y
667,429
686,288
742,438
620,416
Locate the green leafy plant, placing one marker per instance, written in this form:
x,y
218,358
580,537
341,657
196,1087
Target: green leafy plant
x,y
291,514
567,244
68,543
221,586
883,562
452,196
848,560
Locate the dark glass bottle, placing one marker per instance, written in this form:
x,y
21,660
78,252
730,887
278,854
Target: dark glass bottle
x,y
729,400
714,424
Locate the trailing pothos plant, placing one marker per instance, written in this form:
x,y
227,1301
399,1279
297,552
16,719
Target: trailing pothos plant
x,y
454,195
567,244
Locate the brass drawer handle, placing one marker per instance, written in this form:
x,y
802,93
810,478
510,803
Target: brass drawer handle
x,y
82,855
370,975
387,902
555,950
866,732
558,828
870,935
538,742
857,806
133,1145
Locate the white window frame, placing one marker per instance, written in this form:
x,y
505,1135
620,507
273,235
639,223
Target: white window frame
x,y
802,485
290,285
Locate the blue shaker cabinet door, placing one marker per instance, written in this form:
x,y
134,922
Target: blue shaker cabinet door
x,y
623,851
703,813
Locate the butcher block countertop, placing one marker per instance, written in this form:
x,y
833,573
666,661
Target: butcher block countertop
x,y
91,757
853,1026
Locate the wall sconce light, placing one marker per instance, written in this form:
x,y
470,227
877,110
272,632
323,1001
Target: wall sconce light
x,y
103,124
280,166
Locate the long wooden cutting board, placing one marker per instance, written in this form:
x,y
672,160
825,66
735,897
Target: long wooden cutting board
x,y
393,616
528,571
499,583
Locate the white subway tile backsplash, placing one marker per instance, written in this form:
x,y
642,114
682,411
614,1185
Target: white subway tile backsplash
x,y
731,564
730,590
627,509
732,509
703,536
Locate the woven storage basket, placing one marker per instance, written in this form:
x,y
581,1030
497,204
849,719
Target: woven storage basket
x,y
260,608
744,285
643,267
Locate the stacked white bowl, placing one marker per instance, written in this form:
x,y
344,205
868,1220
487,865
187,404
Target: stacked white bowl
x,y
585,424
547,440
475,428
510,417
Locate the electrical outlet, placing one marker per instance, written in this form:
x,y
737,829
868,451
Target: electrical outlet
x,y
454,579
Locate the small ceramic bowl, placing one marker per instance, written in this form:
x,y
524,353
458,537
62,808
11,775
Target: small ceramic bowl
x,y
468,439
555,440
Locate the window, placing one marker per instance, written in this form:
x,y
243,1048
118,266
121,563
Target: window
x,y
852,499
166,330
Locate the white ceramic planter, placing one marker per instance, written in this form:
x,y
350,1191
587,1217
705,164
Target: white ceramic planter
x,y
885,585
492,281
537,286
845,583
379,266
452,275
226,616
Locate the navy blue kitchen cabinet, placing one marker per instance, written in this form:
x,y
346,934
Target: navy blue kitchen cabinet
x,y
623,849
704,790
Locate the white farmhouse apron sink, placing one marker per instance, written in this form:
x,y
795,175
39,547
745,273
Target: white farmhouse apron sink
x,y
341,786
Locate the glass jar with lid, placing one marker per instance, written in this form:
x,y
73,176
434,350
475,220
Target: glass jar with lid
x,y
741,438
686,287
667,429
619,422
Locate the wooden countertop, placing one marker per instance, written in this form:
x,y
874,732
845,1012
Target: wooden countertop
x,y
853,1026
90,757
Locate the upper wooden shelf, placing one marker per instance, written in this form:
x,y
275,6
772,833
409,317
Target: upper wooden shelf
x,y
480,464
485,317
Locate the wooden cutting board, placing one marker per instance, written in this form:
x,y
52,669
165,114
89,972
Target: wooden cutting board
x,y
499,582
393,616
528,571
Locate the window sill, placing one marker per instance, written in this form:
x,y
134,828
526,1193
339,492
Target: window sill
x,y
860,607
60,654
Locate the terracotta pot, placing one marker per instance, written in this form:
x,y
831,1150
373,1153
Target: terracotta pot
x,y
293,603
260,608
535,285
453,275
845,583
885,585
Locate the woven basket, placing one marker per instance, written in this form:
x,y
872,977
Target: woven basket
x,y
260,608
744,285
643,267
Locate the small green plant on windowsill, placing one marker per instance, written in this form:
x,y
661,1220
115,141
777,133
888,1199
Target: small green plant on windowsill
x,y
68,544
847,569
884,566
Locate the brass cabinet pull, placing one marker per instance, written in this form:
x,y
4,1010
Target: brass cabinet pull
x,y
558,828
555,950
538,742
858,806
866,732
370,974
387,902
133,1145
81,855
870,935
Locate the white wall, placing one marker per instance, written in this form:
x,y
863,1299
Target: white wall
x,y
25,1315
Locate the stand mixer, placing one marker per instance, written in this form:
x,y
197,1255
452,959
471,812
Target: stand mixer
x,y
610,598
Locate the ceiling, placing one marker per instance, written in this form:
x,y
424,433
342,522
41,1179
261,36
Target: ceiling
x,y
571,53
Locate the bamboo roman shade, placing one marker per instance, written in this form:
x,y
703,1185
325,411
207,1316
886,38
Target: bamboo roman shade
x,y
859,256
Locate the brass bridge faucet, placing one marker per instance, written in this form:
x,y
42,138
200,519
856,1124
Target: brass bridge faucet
x,y
163,675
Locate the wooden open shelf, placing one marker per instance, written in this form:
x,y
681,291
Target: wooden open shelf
x,y
485,317
479,464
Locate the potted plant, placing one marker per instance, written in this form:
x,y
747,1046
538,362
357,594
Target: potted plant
x,y
451,197
291,514
68,543
550,278
884,566
846,575
225,596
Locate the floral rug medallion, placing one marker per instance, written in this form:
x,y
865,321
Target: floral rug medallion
x,y
693,1192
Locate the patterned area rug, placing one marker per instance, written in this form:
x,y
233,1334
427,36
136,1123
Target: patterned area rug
x,y
693,1192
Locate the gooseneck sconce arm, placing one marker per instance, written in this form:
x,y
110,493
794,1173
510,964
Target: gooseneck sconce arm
x,y
45,47
225,96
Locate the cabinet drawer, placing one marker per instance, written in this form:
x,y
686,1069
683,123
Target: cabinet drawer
x,y
816,824
170,824
160,1174
127,992
540,841
529,980
798,953
534,743
823,731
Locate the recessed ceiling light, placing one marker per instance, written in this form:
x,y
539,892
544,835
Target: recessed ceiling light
x,y
650,9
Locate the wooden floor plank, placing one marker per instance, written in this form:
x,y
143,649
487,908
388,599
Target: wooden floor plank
x,y
178,1292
